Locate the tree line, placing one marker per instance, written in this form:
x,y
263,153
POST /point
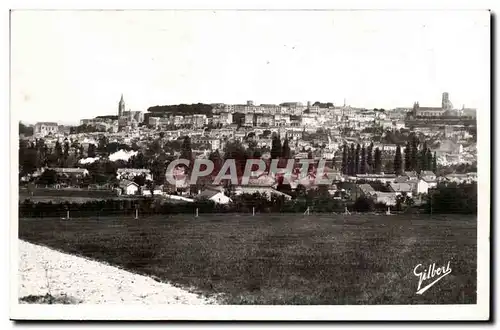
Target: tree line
x,y
367,160
445,199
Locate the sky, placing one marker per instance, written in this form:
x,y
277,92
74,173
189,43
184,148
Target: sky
x,y
70,65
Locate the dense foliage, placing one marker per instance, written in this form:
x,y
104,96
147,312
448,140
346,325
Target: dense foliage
x,y
182,109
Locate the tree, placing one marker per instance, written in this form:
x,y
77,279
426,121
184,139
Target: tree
x,y
356,159
344,159
158,169
102,144
151,187
414,154
429,160
369,158
453,198
363,204
235,150
362,165
286,152
398,161
48,177
216,159
186,152
91,150
407,166
377,160
140,180
66,149
423,158
276,149
25,130
58,152
403,202
300,190
434,163
28,159
351,160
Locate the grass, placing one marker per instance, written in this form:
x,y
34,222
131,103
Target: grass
x,y
63,195
281,258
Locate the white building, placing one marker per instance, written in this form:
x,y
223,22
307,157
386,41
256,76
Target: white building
x,y
129,187
216,196
45,128
131,173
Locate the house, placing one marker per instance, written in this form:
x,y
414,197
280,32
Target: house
x,y
461,178
129,187
365,189
400,188
264,180
68,172
239,190
419,186
71,171
131,173
384,178
387,198
411,175
45,128
217,196
430,178
157,191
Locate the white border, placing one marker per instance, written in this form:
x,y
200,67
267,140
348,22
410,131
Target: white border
x,y
395,312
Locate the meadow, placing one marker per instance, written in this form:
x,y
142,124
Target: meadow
x,y
320,259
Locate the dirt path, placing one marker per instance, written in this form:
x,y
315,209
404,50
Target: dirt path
x,y
76,279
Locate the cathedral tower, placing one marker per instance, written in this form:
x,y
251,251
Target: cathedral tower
x,y
121,107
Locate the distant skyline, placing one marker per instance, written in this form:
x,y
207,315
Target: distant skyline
x,y
70,65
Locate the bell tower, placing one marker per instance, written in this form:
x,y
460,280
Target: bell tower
x,y
121,107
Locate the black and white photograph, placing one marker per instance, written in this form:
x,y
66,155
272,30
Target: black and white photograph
x,y
195,164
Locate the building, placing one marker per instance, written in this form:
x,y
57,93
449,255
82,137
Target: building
x,y
226,118
128,187
445,102
131,173
157,191
217,196
45,128
400,188
446,107
384,178
365,189
461,178
387,198
428,176
121,107
71,172
268,191
419,187
419,111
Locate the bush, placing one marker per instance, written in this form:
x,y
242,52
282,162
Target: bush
x,y
363,204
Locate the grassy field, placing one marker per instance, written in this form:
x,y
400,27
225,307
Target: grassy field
x,y
46,195
281,258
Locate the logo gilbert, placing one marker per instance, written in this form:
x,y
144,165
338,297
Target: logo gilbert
x,y
426,274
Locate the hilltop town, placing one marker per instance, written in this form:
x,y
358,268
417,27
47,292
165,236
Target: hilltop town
x,y
379,154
